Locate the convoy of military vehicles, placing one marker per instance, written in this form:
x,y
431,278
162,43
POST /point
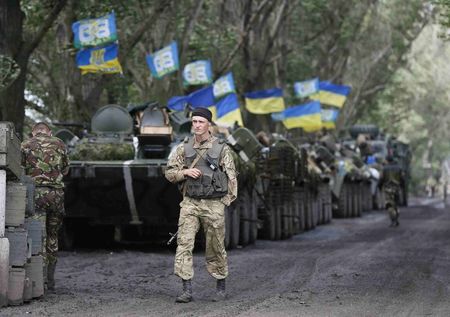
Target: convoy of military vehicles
x,y
116,186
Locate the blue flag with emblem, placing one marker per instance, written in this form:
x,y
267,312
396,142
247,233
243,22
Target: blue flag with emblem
x,y
224,86
228,111
197,73
99,60
306,88
306,116
164,61
329,117
95,32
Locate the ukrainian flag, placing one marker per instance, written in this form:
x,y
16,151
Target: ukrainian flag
x,y
329,117
99,60
331,94
264,101
228,111
306,116
203,98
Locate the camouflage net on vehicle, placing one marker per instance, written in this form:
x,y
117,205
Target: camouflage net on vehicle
x,y
102,152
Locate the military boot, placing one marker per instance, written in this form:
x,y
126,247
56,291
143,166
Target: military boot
x,y
220,291
186,296
51,277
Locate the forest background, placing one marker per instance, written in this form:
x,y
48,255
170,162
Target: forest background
x,y
393,53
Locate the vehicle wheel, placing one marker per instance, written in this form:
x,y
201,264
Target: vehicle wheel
x,y
66,236
278,221
321,205
351,201
301,210
296,222
359,199
286,218
244,210
307,209
253,231
269,225
235,224
313,203
342,202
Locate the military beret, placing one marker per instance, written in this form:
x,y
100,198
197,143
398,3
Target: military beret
x,y
203,112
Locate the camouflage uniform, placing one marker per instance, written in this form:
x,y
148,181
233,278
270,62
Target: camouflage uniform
x,y
391,186
45,160
210,213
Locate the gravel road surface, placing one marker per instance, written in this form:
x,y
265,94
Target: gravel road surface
x,y
351,267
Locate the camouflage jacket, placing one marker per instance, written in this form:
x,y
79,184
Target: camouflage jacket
x,y
45,160
176,165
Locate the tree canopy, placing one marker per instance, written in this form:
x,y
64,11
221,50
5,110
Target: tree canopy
x,y
265,44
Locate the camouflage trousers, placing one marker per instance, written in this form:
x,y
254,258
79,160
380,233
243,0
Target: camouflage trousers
x,y
210,213
49,209
392,196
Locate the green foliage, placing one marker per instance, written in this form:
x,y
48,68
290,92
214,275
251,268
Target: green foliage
x,y
360,43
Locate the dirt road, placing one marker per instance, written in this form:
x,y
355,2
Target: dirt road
x,y
352,267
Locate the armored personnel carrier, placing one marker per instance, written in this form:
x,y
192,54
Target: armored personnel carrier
x,y
116,185
348,181
375,147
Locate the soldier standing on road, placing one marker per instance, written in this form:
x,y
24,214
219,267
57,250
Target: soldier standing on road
x,y
390,182
204,168
44,158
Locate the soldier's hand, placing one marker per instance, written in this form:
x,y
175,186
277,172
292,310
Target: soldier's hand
x,y
192,172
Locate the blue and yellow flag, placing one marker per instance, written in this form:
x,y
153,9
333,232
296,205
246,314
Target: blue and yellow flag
x,y
164,61
201,98
264,101
329,117
95,32
224,86
99,60
197,73
228,111
306,116
331,94
306,88
177,103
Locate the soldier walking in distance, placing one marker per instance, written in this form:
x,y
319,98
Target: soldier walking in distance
x,y
390,182
44,158
204,168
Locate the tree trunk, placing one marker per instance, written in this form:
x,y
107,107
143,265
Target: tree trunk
x,y
12,101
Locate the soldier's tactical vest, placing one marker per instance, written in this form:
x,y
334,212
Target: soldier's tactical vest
x,y
214,182
392,174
